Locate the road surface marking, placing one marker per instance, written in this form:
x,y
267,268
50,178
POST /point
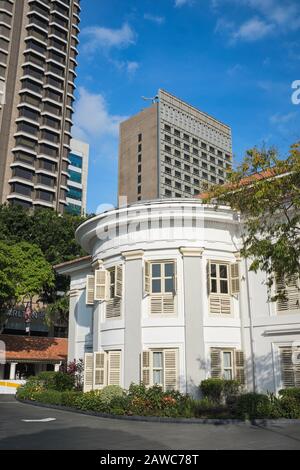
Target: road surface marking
x,y
45,420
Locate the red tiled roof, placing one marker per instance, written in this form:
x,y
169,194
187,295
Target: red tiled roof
x,y
247,180
35,348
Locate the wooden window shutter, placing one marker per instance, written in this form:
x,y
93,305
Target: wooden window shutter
x,y
146,367
162,304
99,370
292,294
147,277
215,363
240,366
219,304
90,290
287,367
88,372
119,281
208,277
235,278
296,352
114,368
113,308
101,284
170,369
168,305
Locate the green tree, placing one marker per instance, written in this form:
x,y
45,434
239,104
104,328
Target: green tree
x,y
265,190
24,274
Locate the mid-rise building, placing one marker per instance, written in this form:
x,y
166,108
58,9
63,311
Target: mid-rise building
x,y
165,298
77,182
170,150
38,51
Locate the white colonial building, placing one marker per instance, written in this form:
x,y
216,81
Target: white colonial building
x,y
164,297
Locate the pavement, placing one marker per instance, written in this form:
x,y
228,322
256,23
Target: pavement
x,y
21,428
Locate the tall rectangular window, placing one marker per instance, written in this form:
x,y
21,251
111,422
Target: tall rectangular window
x,y
219,279
162,278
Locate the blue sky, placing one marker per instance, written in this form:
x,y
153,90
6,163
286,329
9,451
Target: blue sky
x,y
233,59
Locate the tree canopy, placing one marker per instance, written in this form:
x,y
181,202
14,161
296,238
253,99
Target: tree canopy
x,y
31,242
24,273
265,190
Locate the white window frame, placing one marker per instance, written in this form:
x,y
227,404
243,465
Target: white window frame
x,y
232,368
162,277
218,278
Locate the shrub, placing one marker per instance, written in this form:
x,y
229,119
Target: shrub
x,y
289,407
27,390
293,392
69,398
219,390
212,389
51,397
56,381
74,369
254,405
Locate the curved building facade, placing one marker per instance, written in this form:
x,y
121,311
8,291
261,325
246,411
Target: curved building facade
x,y
164,297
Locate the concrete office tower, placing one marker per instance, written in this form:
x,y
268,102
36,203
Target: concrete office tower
x,y
78,172
38,50
170,149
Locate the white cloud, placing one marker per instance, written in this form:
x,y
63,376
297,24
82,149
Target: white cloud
x,y
282,118
234,70
97,37
132,67
252,30
92,120
154,19
180,3
271,17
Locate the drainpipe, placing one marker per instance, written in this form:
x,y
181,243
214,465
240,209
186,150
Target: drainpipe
x,y
251,327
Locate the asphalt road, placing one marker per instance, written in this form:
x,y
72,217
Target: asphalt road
x,y
75,431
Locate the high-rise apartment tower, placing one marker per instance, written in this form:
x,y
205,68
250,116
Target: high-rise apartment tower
x,y
78,175
170,149
38,50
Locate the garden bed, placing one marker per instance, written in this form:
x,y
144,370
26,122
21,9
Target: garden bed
x,y
223,401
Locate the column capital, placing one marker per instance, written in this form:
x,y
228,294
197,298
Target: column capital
x,y
133,255
97,264
237,255
191,252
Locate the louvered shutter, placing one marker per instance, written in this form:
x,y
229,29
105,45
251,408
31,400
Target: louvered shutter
x,y
287,367
235,278
220,304
208,283
297,367
114,368
170,369
156,304
119,281
90,290
147,277
113,308
88,372
240,366
292,294
99,370
162,304
101,279
215,363
146,367
168,304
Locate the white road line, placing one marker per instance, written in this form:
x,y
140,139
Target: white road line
x,y
45,420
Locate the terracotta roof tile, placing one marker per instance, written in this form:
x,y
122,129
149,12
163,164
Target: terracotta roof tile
x,y
35,348
73,261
